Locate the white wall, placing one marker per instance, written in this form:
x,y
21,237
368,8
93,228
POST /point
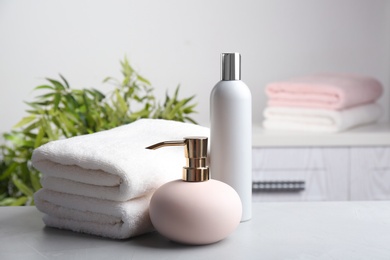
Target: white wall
x,y
175,41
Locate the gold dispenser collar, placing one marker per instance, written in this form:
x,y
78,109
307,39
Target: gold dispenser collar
x,y
195,151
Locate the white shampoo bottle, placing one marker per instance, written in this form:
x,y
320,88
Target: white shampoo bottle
x,y
231,131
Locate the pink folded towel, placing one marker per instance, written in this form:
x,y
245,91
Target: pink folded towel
x,y
327,91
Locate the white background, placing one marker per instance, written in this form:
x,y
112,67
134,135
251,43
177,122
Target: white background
x,y
174,42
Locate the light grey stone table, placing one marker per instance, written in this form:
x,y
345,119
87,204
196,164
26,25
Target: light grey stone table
x,y
295,230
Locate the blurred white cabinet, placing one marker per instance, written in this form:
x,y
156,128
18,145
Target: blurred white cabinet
x,y
370,173
329,173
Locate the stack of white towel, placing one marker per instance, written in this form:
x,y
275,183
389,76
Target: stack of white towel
x,y
323,103
101,183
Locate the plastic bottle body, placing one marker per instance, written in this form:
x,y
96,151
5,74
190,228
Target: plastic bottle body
x,y
195,212
231,139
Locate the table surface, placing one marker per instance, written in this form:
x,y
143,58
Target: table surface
x,y
284,230
368,135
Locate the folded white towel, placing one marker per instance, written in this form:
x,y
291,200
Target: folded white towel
x,y
321,120
105,218
114,164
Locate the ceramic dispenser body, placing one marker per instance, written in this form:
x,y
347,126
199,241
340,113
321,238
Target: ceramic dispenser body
x,y
195,210
231,132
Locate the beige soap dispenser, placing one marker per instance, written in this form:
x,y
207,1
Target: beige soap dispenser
x,y
195,210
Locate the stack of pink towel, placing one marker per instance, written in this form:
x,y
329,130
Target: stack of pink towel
x,y
325,103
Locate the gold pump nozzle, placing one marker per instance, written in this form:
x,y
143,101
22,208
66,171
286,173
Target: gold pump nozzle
x,y
195,151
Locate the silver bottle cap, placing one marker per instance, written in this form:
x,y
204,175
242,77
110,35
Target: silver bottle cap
x,y
230,66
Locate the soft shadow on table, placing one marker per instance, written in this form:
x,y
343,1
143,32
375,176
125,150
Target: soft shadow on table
x,y
63,233
149,240
155,240
51,231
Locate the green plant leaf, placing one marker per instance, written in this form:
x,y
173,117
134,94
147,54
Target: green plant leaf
x,y
45,96
71,101
190,109
176,92
65,81
35,106
57,85
86,102
48,129
111,79
9,201
24,121
100,96
22,186
14,137
57,99
11,168
168,105
44,87
38,139
121,102
190,119
142,79
176,108
31,127
35,180
70,128
21,201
